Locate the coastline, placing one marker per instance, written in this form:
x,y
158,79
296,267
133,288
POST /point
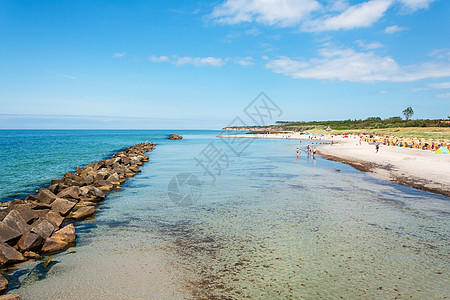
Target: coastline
x,y
44,223
420,169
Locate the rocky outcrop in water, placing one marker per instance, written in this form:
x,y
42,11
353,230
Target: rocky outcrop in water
x,y
175,137
41,224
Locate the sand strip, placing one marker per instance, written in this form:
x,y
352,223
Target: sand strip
x,y
421,169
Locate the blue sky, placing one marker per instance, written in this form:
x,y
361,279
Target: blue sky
x,y
197,64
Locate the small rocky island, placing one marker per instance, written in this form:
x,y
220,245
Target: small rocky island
x,y
175,137
42,223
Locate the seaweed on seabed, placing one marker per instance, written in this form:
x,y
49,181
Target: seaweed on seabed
x,y
37,273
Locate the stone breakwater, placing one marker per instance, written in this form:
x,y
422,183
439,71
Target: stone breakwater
x,y
42,223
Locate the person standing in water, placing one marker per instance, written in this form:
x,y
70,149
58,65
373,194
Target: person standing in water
x,y
298,152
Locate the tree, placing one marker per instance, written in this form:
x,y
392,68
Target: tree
x,y
408,113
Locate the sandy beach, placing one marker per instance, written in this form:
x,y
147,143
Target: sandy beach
x,y
421,169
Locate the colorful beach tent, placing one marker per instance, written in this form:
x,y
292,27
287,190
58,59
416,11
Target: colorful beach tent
x,y
443,150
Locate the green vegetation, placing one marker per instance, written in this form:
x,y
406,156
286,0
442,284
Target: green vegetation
x,y
369,123
394,126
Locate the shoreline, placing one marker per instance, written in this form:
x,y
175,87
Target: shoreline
x,y
419,169
43,223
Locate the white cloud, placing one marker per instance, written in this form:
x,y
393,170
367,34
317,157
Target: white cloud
x,y
350,65
157,59
119,54
440,85
383,92
187,60
369,46
200,61
443,96
313,15
246,61
394,28
356,16
413,5
270,12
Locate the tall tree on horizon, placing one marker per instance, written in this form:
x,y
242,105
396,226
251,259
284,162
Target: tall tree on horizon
x,y
408,113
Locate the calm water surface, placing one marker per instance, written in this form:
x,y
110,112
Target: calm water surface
x,y
269,227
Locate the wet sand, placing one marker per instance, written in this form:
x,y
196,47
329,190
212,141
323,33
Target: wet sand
x,y
421,169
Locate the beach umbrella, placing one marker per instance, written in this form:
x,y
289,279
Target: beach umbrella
x,y
443,150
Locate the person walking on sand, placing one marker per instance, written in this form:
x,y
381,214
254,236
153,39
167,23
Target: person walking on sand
x,y
377,146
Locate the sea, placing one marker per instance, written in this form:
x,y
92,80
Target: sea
x,y
224,218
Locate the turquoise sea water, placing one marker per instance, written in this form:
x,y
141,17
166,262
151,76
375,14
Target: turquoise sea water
x,y
268,227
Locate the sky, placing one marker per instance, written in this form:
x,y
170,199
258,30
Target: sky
x,y
159,64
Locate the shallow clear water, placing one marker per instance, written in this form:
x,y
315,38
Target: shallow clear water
x,y
270,226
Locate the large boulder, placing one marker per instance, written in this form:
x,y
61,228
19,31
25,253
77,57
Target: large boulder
x,y
8,234
104,185
15,220
87,179
43,228
72,192
91,192
26,211
175,136
114,178
29,241
66,234
46,197
62,206
82,213
54,217
9,255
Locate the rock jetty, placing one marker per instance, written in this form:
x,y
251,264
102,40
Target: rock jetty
x,y
175,137
42,223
